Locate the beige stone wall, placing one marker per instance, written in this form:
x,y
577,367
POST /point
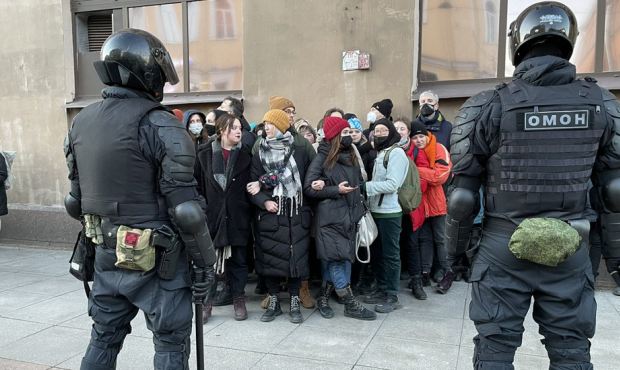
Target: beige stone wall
x,y
32,96
294,48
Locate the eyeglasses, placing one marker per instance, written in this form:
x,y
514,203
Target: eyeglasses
x,y
290,111
381,132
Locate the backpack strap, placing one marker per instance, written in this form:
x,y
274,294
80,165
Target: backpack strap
x,y
386,158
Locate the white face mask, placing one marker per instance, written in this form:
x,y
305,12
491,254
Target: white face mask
x,y
371,117
195,128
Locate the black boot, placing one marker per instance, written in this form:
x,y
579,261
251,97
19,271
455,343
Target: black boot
x,y
416,288
444,285
374,298
273,309
352,307
295,313
223,295
390,304
426,279
322,301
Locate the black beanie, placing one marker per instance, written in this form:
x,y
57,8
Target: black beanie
x,y
418,127
385,107
393,135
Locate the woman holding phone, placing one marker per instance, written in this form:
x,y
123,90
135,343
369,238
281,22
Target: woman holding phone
x,y
334,177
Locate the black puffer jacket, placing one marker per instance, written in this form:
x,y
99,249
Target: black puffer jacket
x,y
336,215
4,174
229,210
281,241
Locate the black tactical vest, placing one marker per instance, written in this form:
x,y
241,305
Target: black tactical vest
x,y
116,180
549,137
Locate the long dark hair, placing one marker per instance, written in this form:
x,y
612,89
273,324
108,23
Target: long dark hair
x,y
334,151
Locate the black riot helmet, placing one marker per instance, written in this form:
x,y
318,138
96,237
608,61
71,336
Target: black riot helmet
x,y
544,22
136,59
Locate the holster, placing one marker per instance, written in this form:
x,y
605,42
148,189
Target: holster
x,y
82,261
169,246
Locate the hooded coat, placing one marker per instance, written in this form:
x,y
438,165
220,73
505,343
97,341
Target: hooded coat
x,y
336,215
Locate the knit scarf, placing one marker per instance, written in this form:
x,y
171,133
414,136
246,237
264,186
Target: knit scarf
x,y
273,153
221,171
431,149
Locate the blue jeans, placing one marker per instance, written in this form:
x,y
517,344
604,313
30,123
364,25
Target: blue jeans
x,y
338,272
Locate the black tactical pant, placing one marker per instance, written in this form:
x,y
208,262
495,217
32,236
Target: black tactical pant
x,y
114,301
502,291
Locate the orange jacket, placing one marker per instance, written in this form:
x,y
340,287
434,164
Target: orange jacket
x,y
435,175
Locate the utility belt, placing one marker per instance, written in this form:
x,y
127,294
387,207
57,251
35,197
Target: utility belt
x,y
545,241
136,249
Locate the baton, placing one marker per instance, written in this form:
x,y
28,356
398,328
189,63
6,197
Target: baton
x,y
200,355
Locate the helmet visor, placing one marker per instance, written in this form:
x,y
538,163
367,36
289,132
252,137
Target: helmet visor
x,y
163,59
548,21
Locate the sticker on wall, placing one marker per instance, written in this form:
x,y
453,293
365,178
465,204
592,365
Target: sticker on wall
x,y
355,60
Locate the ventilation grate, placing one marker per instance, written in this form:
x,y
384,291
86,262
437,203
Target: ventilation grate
x,y
99,28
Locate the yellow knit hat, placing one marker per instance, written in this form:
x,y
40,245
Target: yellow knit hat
x,y
277,118
279,102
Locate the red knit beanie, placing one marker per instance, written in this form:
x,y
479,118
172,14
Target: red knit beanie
x,y
333,126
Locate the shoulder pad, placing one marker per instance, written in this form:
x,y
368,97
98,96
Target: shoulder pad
x,y
590,79
479,99
612,106
162,118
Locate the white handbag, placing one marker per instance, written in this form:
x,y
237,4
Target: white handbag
x,y
367,232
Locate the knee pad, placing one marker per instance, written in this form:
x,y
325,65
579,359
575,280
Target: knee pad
x,y
493,355
569,352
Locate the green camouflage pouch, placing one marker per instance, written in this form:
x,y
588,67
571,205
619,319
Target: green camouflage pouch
x,y
546,241
134,250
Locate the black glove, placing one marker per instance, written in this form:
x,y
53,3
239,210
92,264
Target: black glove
x,y
203,280
613,267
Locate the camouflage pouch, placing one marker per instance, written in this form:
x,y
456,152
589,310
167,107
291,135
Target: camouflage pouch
x,y
134,250
546,241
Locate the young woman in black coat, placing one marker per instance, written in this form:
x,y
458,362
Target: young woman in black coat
x,y
225,171
283,220
335,177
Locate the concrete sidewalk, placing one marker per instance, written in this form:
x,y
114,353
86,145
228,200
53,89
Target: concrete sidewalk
x,y
43,324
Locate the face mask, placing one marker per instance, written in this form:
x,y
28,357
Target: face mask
x,y
426,110
210,130
195,128
378,140
346,141
371,117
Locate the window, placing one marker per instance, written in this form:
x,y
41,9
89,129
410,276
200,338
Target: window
x,y
459,40
215,62
464,42
204,38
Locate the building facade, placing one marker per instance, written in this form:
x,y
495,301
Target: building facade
x,y
253,49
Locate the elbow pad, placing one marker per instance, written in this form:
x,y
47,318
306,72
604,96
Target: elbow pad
x,y
73,206
192,225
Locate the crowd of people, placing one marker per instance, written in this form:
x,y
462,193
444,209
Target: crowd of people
x,y
284,198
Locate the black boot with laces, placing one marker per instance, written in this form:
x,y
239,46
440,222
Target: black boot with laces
x,y
273,309
322,301
352,307
295,313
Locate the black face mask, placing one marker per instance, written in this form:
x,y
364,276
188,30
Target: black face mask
x,y
210,129
426,110
378,140
346,141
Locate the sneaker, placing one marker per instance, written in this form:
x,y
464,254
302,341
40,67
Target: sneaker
x,y
273,309
241,312
296,317
390,304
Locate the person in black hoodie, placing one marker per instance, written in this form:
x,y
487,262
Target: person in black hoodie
x,y
334,177
225,165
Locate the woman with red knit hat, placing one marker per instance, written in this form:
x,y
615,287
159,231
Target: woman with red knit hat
x,y
334,177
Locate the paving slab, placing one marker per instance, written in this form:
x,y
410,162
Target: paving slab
x,y
52,310
395,353
7,364
14,330
335,345
47,347
286,362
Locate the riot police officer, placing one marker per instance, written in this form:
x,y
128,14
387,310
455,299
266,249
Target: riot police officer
x,y
131,170
535,143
